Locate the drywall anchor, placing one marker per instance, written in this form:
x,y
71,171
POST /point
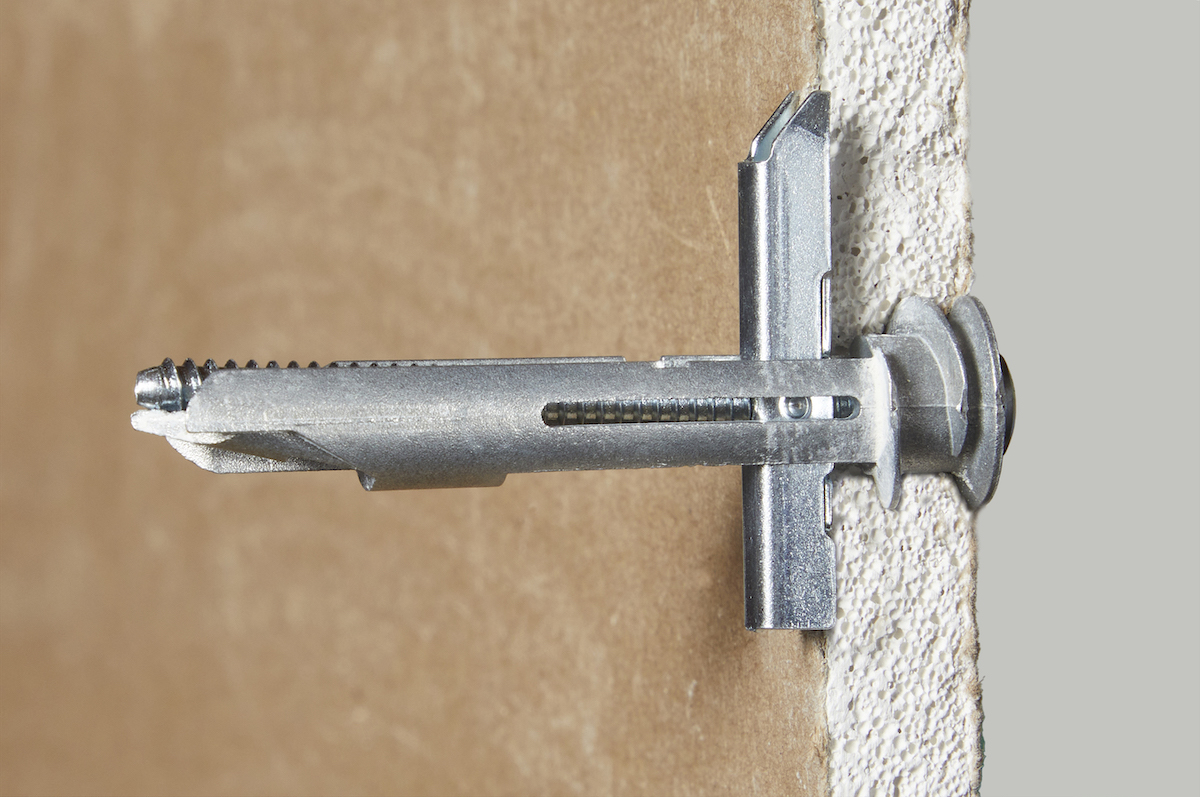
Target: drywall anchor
x,y
929,395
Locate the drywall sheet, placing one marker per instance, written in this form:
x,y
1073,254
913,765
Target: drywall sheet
x,y
316,181
903,694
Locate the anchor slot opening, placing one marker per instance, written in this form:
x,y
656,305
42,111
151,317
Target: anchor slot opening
x,y
670,410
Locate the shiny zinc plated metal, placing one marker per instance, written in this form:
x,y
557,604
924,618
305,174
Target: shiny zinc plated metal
x,y
930,395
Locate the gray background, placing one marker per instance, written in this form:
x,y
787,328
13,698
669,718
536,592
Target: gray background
x,y
1084,178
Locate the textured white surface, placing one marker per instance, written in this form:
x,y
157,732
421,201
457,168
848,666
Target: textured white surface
x,y
903,696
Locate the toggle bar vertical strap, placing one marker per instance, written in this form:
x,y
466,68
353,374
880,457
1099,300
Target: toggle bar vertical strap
x,y
784,262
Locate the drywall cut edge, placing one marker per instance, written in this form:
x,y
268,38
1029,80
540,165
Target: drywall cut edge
x,y
903,698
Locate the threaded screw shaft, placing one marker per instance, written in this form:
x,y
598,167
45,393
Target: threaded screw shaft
x,y
170,388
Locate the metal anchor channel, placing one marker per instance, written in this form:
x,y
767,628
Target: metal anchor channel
x,y
930,395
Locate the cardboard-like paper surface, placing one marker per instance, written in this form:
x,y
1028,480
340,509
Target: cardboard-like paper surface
x,y
329,181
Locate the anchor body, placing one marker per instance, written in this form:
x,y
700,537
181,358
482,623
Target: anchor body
x,y
931,394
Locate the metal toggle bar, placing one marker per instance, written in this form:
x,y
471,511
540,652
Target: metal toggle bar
x,y
784,263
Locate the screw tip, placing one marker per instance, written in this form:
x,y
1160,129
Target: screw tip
x,y
159,388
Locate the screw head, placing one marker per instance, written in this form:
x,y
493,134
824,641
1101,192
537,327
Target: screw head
x,y
1010,403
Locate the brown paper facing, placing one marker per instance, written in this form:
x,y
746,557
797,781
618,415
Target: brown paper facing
x,y
325,181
